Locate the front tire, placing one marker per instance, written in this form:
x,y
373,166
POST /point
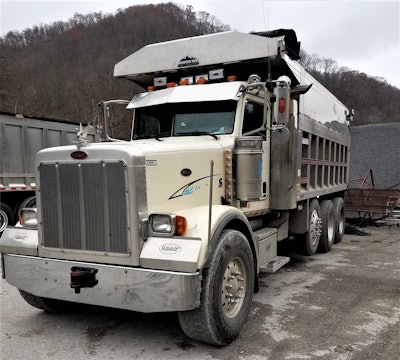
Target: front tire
x,y
226,295
48,305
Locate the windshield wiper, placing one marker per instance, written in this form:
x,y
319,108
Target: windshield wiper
x,y
158,138
197,133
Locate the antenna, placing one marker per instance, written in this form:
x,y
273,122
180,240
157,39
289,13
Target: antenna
x,y
266,28
263,10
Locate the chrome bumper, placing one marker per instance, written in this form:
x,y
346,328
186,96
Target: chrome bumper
x,y
135,289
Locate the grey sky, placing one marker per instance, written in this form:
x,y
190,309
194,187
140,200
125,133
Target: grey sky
x,y
362,35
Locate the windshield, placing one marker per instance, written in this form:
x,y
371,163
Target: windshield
x,y
180,119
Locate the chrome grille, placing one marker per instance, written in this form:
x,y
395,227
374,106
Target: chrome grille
x,y
84,206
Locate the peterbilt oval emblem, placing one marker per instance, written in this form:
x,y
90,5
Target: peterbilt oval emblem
x,y
186,172
170,249
79,155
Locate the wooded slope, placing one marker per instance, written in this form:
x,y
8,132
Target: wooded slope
x,y
63,70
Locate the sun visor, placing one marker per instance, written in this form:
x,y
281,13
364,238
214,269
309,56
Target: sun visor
x,y
188,93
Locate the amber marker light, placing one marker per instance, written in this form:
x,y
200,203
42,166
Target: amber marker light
x,y
282,104
180,225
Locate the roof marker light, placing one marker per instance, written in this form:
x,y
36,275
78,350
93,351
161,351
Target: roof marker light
x,y
201,79
160,81
217,74
188,78
231,78
171,84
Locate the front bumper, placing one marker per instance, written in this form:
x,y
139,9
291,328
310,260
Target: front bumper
x,y
120,287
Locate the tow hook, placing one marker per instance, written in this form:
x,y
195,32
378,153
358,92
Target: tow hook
x,y
83,277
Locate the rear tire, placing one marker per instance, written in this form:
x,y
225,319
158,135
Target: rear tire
x,y
29,202
48,305
226,294
328,226
310,240
6,216
340,221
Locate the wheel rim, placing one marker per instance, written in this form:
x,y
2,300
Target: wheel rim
x,y
314,227
233,287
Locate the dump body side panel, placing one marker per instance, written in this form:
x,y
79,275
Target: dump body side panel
x,y
21,139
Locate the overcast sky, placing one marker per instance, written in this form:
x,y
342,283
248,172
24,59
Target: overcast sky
x,y
361,35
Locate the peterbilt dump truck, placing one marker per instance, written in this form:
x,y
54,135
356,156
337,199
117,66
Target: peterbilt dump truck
x,y
233,148
20,139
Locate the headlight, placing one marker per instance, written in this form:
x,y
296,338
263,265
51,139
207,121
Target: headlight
x,y
28,217
167,224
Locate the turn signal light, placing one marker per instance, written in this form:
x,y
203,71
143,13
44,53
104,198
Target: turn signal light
x,y
180,225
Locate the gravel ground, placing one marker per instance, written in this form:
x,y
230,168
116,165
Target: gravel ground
x,y
338,306
376,147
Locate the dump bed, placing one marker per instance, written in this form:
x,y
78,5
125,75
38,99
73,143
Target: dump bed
x,y
21,139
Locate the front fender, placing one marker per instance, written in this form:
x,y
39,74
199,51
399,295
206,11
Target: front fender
x,y
19,240
222,217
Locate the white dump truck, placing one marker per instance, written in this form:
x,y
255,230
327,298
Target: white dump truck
x,y
232,148
20,139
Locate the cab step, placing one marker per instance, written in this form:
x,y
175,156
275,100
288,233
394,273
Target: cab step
x,y
274,264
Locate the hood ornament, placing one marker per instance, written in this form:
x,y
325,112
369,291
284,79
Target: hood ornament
x,y
81,135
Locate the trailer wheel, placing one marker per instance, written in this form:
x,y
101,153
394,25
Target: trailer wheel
x,y
226,294
48,305
338,207
6,216
29,202
310,240
328,226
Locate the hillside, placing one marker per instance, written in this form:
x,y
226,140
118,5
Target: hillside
x,y
63,70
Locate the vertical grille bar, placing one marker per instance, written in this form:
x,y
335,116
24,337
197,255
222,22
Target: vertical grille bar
x,y
84,206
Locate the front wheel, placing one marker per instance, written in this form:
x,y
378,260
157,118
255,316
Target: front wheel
x,y
48,305
226,295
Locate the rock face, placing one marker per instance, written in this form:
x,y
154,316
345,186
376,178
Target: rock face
x,y
376,147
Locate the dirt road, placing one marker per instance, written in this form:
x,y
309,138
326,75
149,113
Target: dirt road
x,y
337,306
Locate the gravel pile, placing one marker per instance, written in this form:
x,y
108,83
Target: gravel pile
x,y
376,147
